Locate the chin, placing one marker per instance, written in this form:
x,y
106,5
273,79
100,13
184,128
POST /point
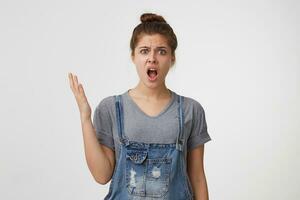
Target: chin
x,y
152,85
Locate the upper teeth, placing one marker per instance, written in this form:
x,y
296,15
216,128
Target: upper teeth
x,y
152,69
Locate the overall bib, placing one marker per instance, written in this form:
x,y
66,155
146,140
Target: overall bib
x,y
149,171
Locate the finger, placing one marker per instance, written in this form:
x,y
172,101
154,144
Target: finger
x,y
70,75
76,82
81,90
72,84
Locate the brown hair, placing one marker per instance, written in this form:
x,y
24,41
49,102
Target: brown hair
x,y
153,24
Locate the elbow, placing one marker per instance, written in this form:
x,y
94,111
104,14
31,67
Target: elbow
x,y
101,176
102,180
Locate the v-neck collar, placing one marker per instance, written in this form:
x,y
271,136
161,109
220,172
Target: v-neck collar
x,y
143,113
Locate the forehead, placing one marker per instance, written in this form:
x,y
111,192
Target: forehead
x,y
152,40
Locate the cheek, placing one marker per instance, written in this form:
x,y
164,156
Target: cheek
x,y
140,67
140,64
166,62
140,61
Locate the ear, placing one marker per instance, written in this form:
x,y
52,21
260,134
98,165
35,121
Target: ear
x,y
173,59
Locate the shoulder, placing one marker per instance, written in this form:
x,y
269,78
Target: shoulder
x,y
192,104
106,103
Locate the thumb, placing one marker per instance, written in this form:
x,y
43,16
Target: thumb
x,y
81,90
80,87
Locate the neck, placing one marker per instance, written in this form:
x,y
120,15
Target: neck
x,y
147,93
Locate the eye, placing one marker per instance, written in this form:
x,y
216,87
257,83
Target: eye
x,y
162,52
143,51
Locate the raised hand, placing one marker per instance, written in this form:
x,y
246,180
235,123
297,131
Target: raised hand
x,y
82,102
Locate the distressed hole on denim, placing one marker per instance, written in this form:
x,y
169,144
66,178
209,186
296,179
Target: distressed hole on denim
x,y
156,172
132,178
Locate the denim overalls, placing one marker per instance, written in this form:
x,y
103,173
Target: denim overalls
x,y
149,170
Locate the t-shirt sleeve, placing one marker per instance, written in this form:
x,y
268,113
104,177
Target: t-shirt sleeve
x,y
199,134
103,124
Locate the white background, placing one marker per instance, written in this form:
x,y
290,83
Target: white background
x,y
239,59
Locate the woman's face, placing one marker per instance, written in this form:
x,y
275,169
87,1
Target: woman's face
x,y
153,59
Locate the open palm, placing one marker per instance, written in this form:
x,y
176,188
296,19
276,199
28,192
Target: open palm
x,y
82,102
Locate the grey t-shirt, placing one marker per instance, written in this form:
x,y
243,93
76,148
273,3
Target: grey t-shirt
x,y
140,127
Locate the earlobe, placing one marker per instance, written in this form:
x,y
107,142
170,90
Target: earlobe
x,y
173,60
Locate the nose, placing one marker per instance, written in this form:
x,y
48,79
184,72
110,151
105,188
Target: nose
x,y
152,57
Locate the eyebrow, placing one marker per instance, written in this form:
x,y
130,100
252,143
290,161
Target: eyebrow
x,y
160,47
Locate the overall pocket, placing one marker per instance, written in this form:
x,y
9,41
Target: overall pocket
x,y
147,177
135,171
157,176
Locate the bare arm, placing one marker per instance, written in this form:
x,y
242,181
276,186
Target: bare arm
x,y
100,159
196,173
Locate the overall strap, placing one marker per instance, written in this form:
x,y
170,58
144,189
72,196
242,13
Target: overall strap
x,y
180,138
120,119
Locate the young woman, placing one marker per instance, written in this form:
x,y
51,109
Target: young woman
x,y
149,140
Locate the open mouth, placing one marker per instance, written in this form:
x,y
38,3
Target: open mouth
x,y
152,73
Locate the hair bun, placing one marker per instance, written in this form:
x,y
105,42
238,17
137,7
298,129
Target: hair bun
x,y
151,17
